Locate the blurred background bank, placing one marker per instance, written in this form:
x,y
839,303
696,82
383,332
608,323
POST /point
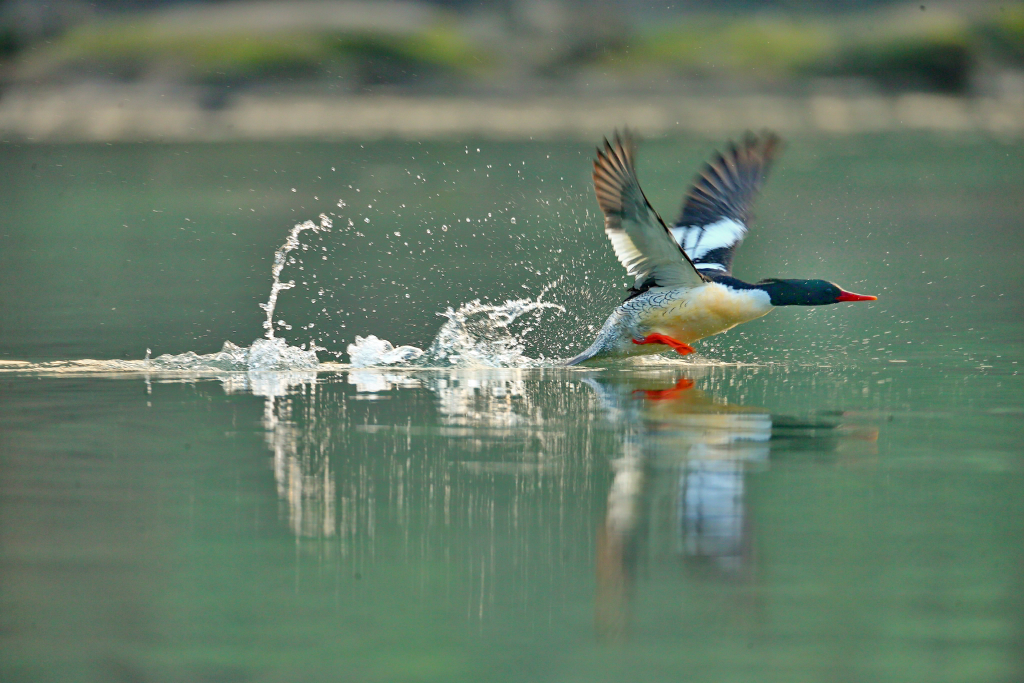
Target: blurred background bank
x,y
148,70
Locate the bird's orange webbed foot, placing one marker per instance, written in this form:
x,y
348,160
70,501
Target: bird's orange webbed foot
x,y
666,394
680,347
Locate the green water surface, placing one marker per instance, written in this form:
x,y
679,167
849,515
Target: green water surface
x,y
826,494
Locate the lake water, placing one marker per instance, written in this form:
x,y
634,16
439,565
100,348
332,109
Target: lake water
x,y
829,494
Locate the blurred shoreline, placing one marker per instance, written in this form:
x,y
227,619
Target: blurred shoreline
x,y
104,114
211,70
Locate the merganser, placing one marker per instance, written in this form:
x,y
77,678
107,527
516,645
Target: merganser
x,y
684,288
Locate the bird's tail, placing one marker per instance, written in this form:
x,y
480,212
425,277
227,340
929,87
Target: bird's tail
x,y
585,356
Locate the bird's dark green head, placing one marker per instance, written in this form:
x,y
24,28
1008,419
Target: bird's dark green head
x,y
808,293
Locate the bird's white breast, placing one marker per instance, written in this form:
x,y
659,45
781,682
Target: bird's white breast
x,y
692,314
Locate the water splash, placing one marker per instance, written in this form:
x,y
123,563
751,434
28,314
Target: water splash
x,y
476,335
263,355
371,351
280,261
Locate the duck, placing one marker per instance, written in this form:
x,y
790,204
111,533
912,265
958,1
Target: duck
x,y
683,288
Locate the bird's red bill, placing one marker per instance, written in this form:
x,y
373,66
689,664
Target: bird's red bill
x,y
850,296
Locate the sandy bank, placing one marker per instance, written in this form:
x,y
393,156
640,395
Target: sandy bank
x,y
101,115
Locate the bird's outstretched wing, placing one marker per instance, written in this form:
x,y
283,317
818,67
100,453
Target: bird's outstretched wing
x,y
716,210
641,240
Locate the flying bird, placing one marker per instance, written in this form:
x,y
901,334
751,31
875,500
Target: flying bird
x,y
683,288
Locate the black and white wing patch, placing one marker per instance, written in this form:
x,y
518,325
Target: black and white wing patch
x,y
641,240
716,211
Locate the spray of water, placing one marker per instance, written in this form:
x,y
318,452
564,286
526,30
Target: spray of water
x,y
280,261
272,353
269,354
479,335
475,335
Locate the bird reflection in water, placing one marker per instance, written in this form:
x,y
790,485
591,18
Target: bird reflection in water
x,y
680,483
498,474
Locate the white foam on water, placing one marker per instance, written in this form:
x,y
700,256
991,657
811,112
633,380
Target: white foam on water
x,y
263,355
371,352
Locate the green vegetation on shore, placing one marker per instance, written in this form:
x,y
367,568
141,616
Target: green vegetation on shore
x,y
129,49
935,52
938,50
